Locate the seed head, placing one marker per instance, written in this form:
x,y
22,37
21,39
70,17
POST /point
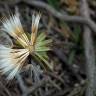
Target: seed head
x,y
12,60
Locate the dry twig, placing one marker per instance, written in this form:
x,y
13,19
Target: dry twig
x,y
22,85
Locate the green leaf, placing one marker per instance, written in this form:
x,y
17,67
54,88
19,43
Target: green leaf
x,y
41,37
44,60
44,48
44,54
39,61
43,43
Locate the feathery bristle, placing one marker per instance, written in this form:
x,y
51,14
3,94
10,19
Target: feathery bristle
x,y
11,60
14,28
35,23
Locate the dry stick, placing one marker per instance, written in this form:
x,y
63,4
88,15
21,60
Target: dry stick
x,y
60,93
22,85
5,89
55,76
37,85
54,84
51,10
45,72
89,51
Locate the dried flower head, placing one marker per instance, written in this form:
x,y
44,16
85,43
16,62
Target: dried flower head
x,y
12,60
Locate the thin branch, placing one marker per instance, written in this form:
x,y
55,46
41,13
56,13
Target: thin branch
x,y
54,84
55,76
37,85
89,51
22,85
60,16
5,89
78,19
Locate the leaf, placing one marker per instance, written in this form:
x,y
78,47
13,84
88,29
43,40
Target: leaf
x,y
44,54
43,43
42,49
46,64
41,37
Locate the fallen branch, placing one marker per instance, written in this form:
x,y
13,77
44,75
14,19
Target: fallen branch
x,y
89,51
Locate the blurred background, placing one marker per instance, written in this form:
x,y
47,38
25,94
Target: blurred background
x,y
71,26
